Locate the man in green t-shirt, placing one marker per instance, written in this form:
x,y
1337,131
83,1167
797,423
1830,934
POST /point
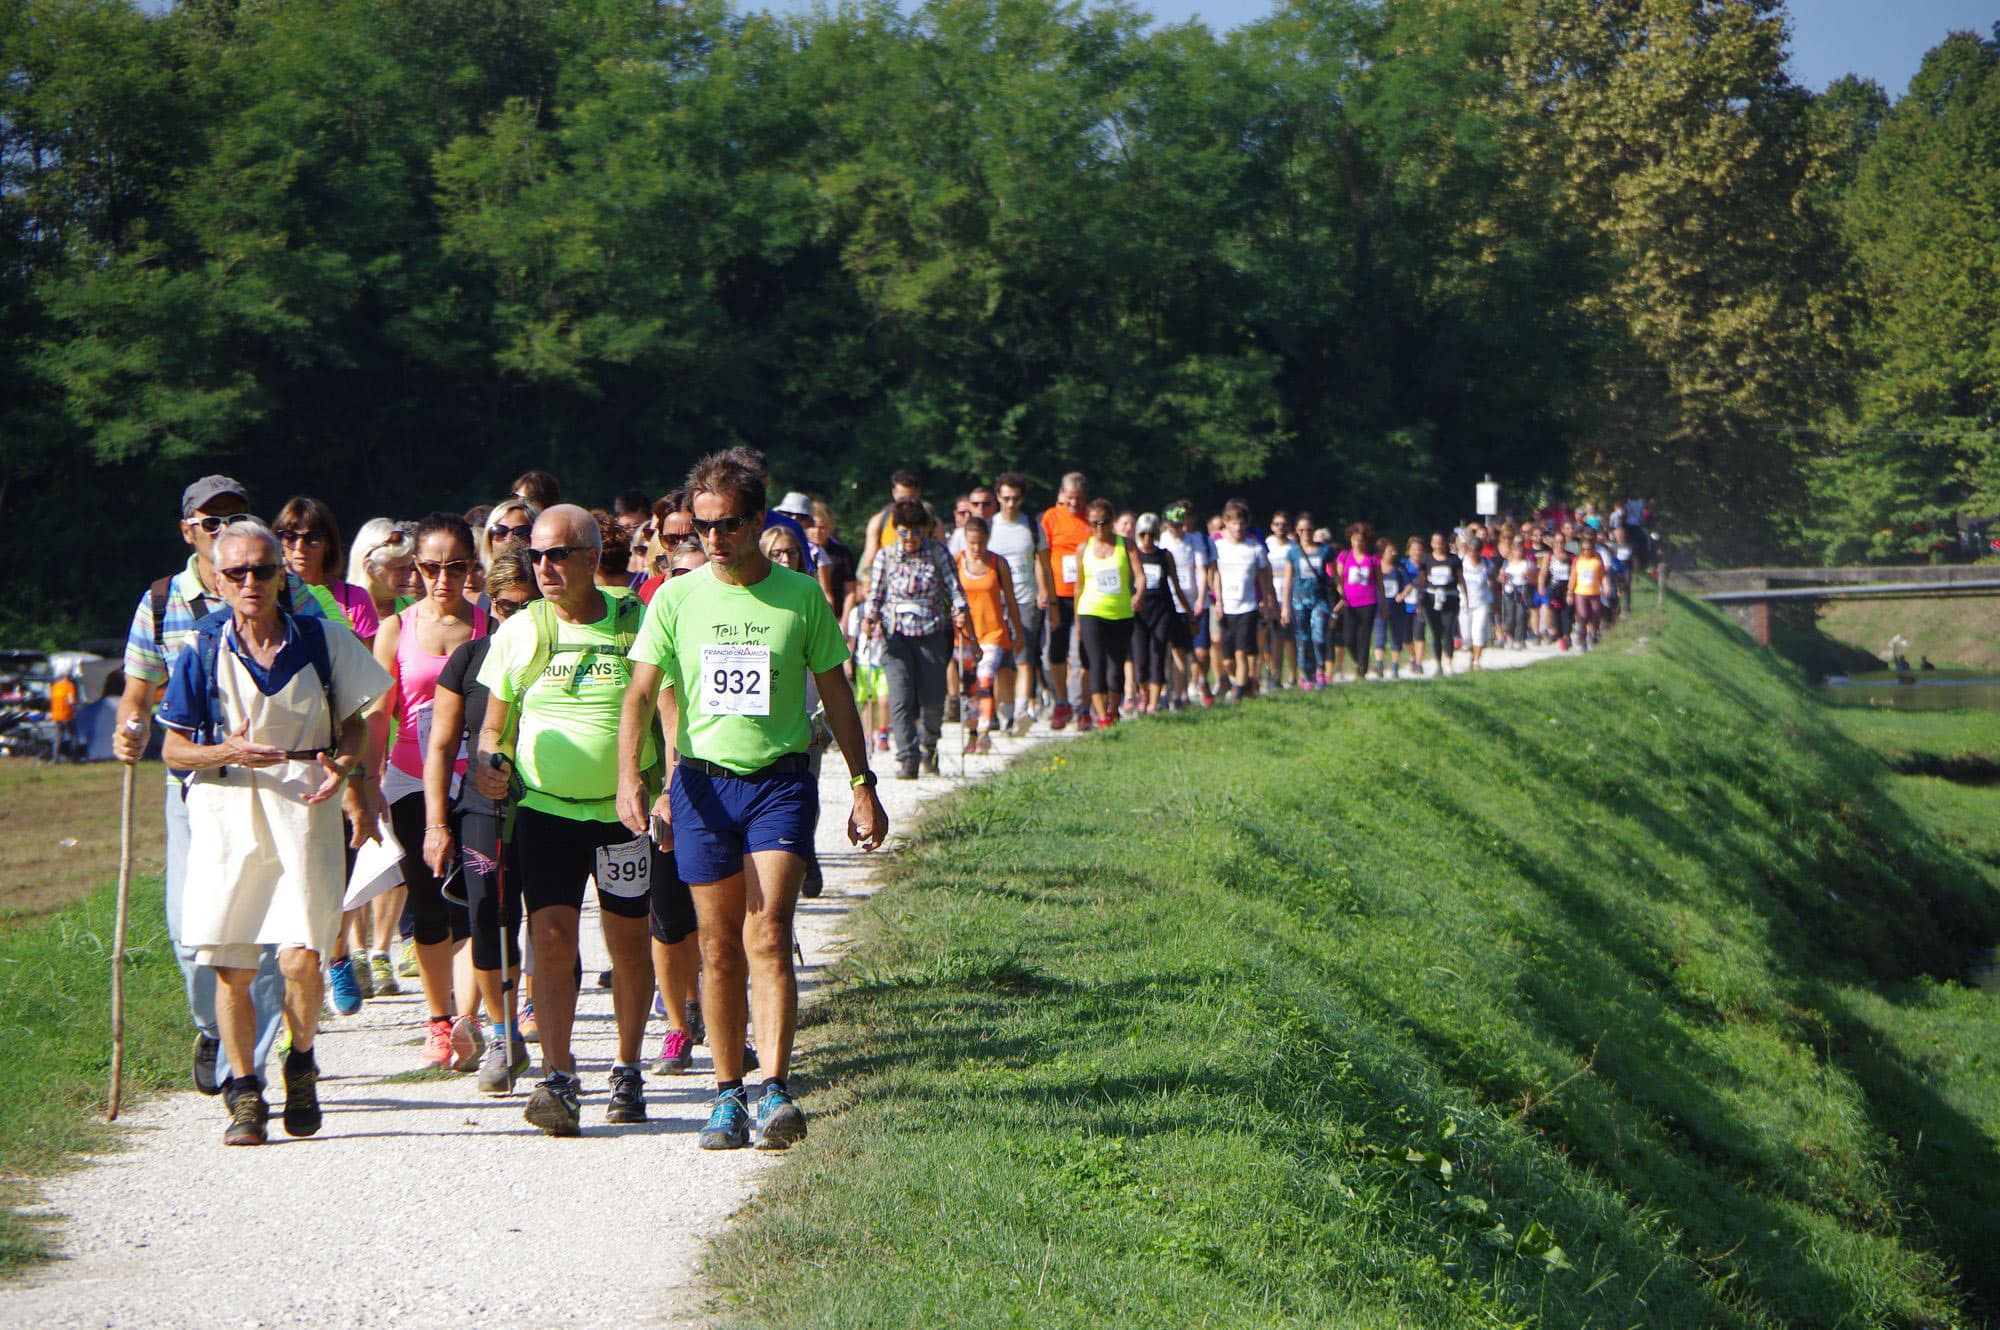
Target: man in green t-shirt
x,y
725,652
557,677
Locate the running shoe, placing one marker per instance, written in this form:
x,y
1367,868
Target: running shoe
x,y
247,1115
691,1017
749,1058
985,745
1106,721
779,1121
364,977
676,1054
302,1115
437,1042
206,1049
1022,724
952,710
555,1107
342,985
496,1072
810,887
1059,718
728,1125
530,1032
604,978
971,741
628,1096
931,767
468,1044
881,741
906,771
406,959
1207,698
384,975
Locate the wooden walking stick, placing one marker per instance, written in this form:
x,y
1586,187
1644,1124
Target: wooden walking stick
x,y
127,807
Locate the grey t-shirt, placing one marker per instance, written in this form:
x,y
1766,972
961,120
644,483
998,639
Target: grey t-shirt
x,y
1016,542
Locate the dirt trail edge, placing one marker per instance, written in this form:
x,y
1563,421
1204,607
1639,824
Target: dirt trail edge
x,y
423,1202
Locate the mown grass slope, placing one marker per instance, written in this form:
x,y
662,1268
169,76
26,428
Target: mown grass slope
x,y
1622,990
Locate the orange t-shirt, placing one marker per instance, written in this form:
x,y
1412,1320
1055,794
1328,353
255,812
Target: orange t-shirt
x,y
62,701
1588,574
1066,533
984,602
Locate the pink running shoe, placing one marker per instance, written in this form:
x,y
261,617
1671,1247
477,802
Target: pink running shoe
x,y
1059,718
468,1044
676,1054
438,1051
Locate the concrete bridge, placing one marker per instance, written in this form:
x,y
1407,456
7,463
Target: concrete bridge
x,y
1749,593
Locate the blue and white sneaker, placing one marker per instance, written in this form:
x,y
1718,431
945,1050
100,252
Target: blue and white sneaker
x,y
780,1122
728,1123
341,983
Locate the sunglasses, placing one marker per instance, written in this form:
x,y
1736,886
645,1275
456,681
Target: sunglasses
x,y
433,568
908,533
502,606
728,526
1100,521
258,572
312,540
554,553
499,532
214,524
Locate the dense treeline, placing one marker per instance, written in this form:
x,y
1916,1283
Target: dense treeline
x,y
392,254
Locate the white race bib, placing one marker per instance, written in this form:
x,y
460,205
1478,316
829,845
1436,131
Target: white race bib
x,y
626,870
1440,574
736,681
1069,569
1390,586
1357,574
1106,581
1153,574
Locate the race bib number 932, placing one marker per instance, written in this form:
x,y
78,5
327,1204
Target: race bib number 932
x,y
736,681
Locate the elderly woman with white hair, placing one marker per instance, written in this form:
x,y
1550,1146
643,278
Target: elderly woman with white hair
x,y
265,713
383,563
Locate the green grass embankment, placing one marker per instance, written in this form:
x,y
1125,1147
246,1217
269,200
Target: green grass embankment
x,y
1618,991
55,1040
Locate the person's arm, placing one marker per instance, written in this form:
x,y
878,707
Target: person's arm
x,y
825,575
1138,575
447,728
1041,562
867,823
1265,589
947,568
878,586
237,750
1011,606
871,543
635,713
379,714
128,741
488,779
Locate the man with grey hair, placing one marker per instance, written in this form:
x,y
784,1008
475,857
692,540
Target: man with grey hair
x,y
557,674
162,627
265,712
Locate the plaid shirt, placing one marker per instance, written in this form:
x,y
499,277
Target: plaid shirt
x,y
187,603
920,591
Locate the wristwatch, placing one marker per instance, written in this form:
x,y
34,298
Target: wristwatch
x,y
865,781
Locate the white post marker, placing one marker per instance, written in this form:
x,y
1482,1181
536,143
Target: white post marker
x,y
1486,497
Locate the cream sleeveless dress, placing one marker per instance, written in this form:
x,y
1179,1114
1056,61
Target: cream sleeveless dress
x,y
265,868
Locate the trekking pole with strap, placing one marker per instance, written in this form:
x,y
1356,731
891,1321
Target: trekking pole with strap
x,y
128,807
510,1017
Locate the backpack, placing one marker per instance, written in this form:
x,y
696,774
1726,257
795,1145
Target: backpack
x,y
208,651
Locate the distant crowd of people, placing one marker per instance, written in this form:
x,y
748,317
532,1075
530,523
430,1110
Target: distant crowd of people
x,y
531,700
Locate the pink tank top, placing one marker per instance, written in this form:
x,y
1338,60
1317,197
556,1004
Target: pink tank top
x,y
417,674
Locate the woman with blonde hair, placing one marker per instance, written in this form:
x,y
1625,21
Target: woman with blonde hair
x,y
507,526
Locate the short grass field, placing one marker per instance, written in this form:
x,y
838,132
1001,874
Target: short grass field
x,y
59,832
1627,990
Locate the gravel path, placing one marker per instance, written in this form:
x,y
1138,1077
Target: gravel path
x,y
423,1202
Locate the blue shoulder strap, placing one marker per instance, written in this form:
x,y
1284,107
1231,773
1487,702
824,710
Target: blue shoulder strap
x,y
312,635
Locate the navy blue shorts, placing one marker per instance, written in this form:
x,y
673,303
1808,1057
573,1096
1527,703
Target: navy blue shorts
x,y
1201,631
719,819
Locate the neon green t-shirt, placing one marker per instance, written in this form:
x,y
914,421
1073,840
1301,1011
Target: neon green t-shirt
x,y
567,746
737,658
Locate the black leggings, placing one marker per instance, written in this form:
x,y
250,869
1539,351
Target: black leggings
x,y
1514,614
1357,632
478,834
1150,648
1444,628
1106,646
1565,614
432,918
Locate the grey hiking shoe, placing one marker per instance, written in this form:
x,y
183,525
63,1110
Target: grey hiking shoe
x,y
496,1070
780,1122
554,1106
696,1027
628,1096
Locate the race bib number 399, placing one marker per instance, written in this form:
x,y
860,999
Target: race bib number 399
x,y
626,870
736,681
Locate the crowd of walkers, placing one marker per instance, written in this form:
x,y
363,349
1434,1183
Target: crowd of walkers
x,y
532,700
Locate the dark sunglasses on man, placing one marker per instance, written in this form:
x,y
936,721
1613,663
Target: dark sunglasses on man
x,y
262,572
728,526
212,524
554,553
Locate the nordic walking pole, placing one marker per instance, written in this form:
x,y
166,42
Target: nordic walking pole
x,y
509,1016
127,807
